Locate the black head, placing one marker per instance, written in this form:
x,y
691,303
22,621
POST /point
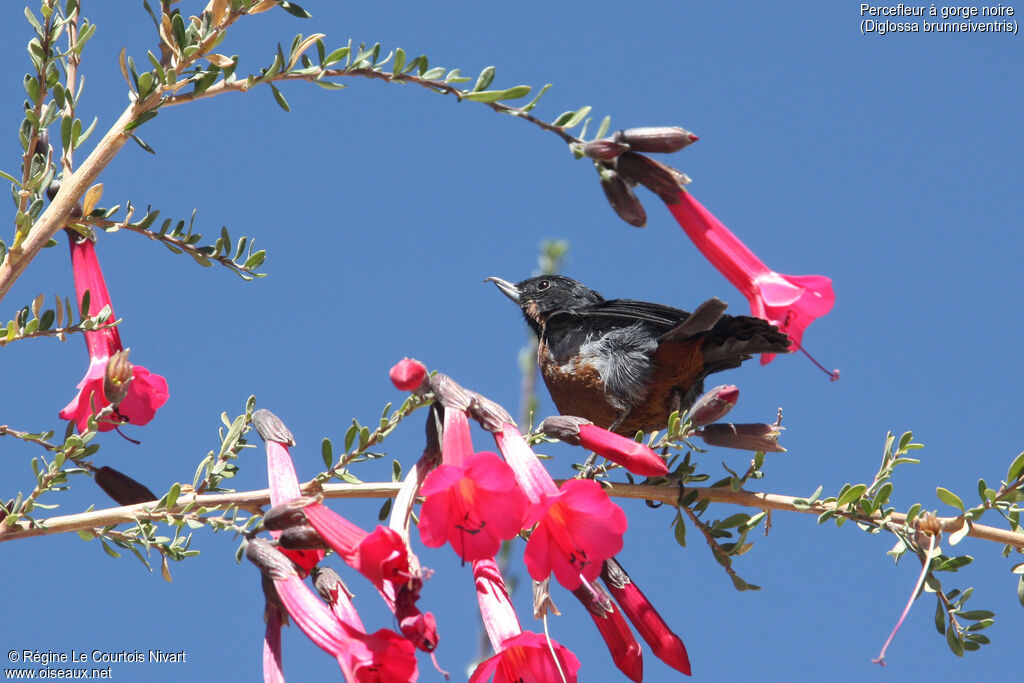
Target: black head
x,y
539,297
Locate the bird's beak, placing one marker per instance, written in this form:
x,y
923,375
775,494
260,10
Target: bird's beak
x,y
506,287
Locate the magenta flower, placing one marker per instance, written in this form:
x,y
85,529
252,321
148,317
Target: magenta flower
x,y
378,657
578,526
665,644
379,555
284,483
527,657
635,457
472,500
146,391
272,669
577,529
474,507
791,302
521,656
625,651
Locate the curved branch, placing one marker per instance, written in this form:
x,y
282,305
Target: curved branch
x,y
253,500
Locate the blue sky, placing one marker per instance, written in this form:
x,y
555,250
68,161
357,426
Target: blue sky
x,y
889,163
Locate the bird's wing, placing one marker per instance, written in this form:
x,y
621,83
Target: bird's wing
x,y
629,311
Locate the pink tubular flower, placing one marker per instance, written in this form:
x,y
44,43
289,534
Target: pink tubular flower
x,y
625,651
665,644
791,302
146,391
284,483
635,457
527,657
370,658
521,656
379,555
474,507
578,528
272,669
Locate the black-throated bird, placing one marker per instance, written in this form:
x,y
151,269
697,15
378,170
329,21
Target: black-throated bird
x,y
626,365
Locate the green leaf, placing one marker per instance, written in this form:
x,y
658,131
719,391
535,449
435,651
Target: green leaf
x,y
327,452
976,615
280,98
339,55
851,494
940,617
954,642
733,521
396,68
385,510
143,117
488,96
1020,590
434,73
483,81
1016,468
680,530
949,498
294,10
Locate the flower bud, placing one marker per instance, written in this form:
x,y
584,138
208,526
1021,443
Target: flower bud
x,y
122,488
302,537
289,514
622,199
43,143
605,149
271,428
660,179
408,374
449,393
52,189
635,457
269,559
5,508
714,405
657,139
118,377
748,437
489,414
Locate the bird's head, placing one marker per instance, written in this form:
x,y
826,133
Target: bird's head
x,y
540,297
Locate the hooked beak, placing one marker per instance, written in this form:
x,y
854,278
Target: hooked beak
x,y
506,287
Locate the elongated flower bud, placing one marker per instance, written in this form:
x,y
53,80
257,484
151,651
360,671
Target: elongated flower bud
x,y
449,392
714,405
635,457
272,563
657,139
605,149
302,537
622,198
660,179
271,428
288,514
122,488
748,437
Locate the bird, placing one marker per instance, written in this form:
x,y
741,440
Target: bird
x,y
626,365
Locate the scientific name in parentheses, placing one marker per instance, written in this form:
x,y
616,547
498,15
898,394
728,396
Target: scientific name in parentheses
x,y
901,10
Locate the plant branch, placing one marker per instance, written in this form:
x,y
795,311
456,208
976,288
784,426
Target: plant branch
x,y
317,73
253,500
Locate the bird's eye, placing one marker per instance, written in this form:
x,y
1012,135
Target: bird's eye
x,y
542,285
